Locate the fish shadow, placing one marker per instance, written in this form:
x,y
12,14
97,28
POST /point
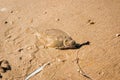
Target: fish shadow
x,y
81,45
77,46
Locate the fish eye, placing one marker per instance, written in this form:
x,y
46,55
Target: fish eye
x,y
66,40
73,42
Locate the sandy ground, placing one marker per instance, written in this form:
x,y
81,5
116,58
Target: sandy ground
x,y
97,21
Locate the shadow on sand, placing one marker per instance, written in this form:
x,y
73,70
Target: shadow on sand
x,y
77,46
83,44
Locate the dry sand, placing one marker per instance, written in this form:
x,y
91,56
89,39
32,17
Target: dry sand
x,y
97,21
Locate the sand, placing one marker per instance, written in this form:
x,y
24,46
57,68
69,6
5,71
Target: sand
x,y
96,21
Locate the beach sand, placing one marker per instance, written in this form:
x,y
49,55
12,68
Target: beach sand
x,y
96,21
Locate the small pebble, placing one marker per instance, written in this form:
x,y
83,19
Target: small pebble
x,y
5,64
0,76
78,70
20,58
3,9
29,47
117,35
9,36
45,12
101,73
92,22
89,20
59,60
11,12
20,50
6,22
1,70
57,19
63,60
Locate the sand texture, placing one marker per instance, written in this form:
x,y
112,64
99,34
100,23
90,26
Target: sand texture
x,y
96,21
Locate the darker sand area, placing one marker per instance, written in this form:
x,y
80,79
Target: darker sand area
x,y
96,21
